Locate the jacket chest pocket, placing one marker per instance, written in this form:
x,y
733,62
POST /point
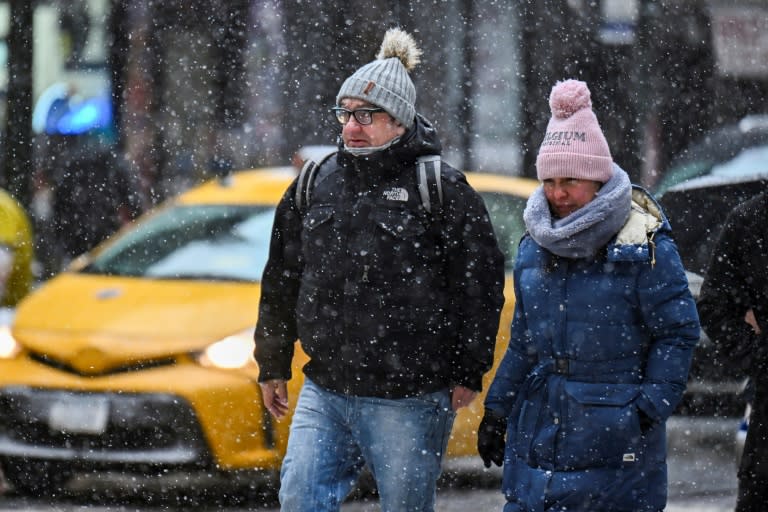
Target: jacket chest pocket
x,y
402,237
400,234
320,236
399,226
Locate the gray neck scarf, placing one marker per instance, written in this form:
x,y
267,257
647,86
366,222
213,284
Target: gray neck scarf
x,y
582,233
369,150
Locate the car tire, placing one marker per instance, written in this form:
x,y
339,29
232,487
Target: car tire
x,y
36,478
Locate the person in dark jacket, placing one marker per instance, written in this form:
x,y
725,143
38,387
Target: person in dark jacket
x,y
397,308
733,305
602,335
16,252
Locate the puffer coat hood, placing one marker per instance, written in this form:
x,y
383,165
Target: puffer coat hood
x,y
635,240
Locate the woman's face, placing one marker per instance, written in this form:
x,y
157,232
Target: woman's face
x,y
566,195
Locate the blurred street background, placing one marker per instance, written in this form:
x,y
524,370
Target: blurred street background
x,y
119,104
702,478
109,107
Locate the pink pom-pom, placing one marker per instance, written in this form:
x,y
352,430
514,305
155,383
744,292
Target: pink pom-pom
x,y
569,97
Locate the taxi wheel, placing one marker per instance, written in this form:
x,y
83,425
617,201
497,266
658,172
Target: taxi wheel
x,y
36,478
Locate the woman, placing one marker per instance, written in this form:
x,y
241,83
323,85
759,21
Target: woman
x,y
602,336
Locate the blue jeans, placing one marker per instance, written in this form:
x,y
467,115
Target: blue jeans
x,y
333,436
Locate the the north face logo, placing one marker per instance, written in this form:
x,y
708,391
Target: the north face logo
x,y
396,194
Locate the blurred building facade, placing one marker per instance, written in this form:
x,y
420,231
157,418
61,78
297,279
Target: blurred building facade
x,y
202,86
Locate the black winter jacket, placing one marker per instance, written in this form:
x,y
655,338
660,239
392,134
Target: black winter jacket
x,y
737,281
386,299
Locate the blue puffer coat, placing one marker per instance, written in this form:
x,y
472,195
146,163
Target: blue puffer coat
x,y
598,360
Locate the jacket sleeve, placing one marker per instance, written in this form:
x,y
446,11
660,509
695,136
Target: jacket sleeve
x,y
725,295
476,282
669,312
275,332
515,364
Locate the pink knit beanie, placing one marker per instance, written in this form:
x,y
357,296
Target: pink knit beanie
x,y
574,145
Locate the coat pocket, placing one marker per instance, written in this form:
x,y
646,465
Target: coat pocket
x,y
320,245
401,236
315,220
399,225
601,426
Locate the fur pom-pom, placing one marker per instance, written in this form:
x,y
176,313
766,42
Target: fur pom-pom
x,y
568,97
399,43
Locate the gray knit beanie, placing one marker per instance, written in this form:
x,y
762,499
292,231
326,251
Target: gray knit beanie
x,y
385,81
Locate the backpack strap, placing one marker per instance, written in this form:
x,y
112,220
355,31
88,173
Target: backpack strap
x,y
428,172
306,180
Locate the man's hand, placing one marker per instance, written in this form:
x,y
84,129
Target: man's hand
x,y
461,397
275,395
750,318
490,438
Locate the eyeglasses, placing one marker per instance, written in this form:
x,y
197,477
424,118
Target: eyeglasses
x,y
363,116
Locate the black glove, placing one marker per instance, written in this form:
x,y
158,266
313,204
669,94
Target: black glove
x,y
490,438
646,422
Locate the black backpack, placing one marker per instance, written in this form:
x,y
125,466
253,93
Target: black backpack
x,y
428,172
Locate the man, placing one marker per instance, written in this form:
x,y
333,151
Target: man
x,y
397,308
602,336
734,307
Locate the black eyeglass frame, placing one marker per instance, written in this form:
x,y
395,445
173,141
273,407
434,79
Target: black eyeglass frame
x,y
343,114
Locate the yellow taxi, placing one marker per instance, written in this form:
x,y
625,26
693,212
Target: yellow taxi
x,y
139,357
16,251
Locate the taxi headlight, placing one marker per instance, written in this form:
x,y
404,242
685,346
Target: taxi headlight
x,y
231,352
9,347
